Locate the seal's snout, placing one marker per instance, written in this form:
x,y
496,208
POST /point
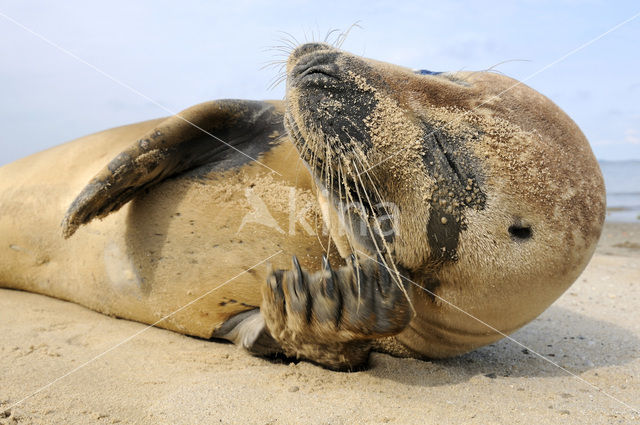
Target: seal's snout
x,y
312,63
306,49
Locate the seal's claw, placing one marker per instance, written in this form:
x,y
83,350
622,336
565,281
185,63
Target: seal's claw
x,y
329,285
273,294
297,280
355,271
296,265
384,278
325,316
274,279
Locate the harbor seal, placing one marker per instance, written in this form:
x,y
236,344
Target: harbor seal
x,y
458,207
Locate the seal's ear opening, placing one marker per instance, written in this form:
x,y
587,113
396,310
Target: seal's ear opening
x,y
520,232
224,131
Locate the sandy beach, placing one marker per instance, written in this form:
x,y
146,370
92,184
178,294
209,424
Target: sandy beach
x,y
76,366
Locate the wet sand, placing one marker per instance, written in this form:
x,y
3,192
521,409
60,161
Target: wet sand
x,y
152,376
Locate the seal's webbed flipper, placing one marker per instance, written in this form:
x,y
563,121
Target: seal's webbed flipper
x,y
332,316
229,132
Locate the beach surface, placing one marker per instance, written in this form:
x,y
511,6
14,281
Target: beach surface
x,y
62,363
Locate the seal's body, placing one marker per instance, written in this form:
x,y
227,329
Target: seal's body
x,y
173,243
463,205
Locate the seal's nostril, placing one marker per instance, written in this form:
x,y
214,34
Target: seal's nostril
x,y
314,68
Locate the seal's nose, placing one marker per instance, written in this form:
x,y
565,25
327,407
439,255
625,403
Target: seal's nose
x,y
315,63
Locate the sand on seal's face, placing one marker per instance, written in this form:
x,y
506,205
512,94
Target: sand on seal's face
x,y
483,161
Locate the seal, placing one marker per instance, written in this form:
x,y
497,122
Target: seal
x,y
460,206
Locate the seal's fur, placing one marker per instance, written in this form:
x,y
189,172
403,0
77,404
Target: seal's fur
x,y
500,201
463,203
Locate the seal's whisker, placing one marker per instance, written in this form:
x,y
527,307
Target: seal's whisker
x,y
276,81
315,36
349,199
289,39
396,272
280,76
326,174
355,259
339,174
328,178
275,62
286,49
278,55
343,36
279,64
329,34
313,165
374,183
379,253
280,137
311,156
343,167
326,169
359,156
370,203
491,68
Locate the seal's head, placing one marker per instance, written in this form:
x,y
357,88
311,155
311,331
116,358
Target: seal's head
x,y
482,188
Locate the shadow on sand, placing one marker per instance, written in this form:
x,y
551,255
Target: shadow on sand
x,y
576,342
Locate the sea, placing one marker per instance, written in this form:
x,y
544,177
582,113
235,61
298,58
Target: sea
x,y
622,180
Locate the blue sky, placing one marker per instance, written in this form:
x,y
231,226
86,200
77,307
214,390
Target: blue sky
x,y
180,54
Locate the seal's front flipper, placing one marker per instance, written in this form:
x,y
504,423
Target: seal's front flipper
x,y
228,133
248,331
330,317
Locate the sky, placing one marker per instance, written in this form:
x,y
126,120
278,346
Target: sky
x,y
72,68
